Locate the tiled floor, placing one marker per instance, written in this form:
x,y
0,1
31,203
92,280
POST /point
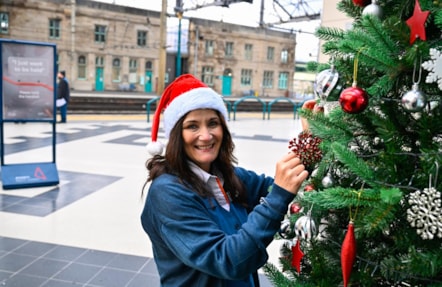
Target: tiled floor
x,y
85,231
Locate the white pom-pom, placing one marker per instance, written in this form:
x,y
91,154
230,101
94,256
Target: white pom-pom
x,y
155,148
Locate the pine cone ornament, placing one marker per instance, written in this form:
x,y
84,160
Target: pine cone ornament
x,y
306,147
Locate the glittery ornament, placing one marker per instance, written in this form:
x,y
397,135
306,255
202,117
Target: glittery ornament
x,y
425,213
306,147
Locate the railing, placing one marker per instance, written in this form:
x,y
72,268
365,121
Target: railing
x,y
236,103
266,107
148,103
296,105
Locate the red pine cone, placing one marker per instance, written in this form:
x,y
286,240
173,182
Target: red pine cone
x,y
306,147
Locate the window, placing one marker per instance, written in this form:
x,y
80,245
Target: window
x,y
142,38
133,65
284,56
99,61
54,28
267,79
209,48
248,51
246,77
270,54
283,81
100,34
207,75
148,65
4,23
81,67
229,49
116,68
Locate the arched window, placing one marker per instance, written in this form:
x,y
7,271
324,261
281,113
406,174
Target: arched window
x,y
148,65
81,67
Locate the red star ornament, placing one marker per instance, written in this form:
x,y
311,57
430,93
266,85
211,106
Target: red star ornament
x,y
417,23
297,256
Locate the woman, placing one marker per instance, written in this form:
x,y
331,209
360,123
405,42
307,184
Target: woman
x,y
209,221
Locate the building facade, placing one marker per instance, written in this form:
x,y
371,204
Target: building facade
x,y
99,45
333,18
106,47
240,60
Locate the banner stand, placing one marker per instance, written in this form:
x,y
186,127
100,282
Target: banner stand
x,y
29,175
28,93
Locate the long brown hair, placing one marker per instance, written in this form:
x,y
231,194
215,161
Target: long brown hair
x,y
175,162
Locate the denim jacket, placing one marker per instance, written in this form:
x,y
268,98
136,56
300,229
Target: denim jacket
x,y
198,243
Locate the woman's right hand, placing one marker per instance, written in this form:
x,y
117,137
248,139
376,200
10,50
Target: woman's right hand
x,y
290,173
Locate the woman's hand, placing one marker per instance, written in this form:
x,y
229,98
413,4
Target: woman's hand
x,y
290,173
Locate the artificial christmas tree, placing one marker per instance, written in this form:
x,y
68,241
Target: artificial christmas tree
x,y
374,195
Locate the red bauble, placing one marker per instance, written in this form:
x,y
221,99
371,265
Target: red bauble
x,y
309,187
361,3
295,208
353,100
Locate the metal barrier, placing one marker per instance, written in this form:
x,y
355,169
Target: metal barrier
x,y
296,105
148,103
229,107
236,103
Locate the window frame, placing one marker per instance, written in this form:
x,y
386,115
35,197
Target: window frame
x,y
54,28
99,34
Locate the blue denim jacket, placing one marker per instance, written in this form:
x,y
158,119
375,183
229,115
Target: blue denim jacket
x,y
198,243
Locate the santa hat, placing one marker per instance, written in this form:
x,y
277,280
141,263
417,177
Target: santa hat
x,y
183,95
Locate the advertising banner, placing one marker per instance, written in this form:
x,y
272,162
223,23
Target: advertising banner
x,y
27,95
27,82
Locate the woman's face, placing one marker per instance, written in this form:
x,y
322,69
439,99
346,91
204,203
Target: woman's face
x,y
202,135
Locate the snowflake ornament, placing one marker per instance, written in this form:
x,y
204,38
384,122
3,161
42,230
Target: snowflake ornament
x,y
425,213
434,66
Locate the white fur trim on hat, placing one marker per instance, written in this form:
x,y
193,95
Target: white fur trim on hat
x,y
198,98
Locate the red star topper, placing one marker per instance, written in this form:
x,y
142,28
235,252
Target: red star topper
x,y
417,23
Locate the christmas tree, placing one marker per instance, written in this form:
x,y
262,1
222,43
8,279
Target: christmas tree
x,y
370,213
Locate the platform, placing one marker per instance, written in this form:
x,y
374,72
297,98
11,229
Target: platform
x,y
86,230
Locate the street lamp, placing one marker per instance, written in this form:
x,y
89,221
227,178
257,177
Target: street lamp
x,y
179,13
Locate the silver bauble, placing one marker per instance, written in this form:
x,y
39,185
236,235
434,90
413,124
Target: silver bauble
x,y
414,100
305,227
373,9
285,228
325,83
328,181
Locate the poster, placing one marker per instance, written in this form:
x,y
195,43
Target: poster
x,y
28,81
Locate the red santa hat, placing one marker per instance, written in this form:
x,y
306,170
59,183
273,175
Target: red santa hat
x,y
186,93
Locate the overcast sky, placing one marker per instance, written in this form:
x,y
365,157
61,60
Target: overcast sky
x,y
243,13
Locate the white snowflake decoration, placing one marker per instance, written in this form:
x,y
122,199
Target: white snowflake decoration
x,y
425,213
434,66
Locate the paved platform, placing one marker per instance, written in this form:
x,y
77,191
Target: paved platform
x,y
86,230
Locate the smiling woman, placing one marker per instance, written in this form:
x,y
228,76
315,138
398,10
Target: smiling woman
x,y
209,220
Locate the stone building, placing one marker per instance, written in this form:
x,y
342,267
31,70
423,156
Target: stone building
x,y
99,45
106,47
240,60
